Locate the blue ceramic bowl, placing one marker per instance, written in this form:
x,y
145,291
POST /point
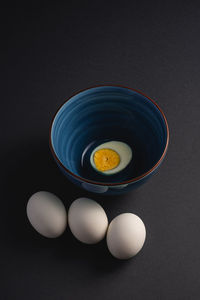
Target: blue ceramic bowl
x,y
107,113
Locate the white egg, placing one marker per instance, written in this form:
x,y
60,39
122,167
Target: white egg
x,y
87,220
126,235
122,149
47,214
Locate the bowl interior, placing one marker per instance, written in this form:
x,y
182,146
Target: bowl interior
x,y
108,113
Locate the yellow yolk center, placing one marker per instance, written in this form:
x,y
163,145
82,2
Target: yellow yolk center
x,y
106,159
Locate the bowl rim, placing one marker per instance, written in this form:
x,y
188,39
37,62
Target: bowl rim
x,y
135,179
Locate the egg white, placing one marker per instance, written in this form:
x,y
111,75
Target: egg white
x,y
121,148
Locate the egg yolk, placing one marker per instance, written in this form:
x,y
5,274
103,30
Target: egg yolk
x,y
106,159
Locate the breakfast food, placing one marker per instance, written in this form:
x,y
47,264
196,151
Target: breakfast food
x,y
126,236
87,220
47,214
111,157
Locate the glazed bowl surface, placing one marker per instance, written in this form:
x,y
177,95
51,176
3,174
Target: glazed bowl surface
x,y
109,113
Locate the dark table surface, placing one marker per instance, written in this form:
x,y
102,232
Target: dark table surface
x,y
51,51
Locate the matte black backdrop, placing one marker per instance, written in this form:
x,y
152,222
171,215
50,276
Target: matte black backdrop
x,y
53,50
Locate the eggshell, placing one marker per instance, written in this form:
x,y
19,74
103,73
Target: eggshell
x,y
87,220
47,214
126,235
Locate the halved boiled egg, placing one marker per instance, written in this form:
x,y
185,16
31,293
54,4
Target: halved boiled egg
x,y
111,157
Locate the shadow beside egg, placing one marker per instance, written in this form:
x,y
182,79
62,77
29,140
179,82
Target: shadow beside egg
x,y
96,257
29,167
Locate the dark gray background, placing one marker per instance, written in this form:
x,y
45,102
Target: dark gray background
x,y
50,52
